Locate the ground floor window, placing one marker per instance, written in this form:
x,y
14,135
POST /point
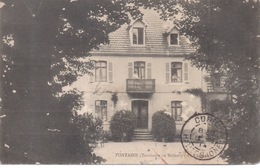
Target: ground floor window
x,y
176,110
101,109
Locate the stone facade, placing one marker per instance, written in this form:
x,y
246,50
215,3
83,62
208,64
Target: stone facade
x,y
144,65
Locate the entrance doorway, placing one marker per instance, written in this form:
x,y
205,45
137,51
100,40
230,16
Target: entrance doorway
x,y
140,109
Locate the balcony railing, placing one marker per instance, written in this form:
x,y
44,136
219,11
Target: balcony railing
x,y
140,85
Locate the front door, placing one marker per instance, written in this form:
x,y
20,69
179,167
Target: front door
x,y
140,109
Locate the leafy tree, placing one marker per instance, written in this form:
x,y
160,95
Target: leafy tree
x,y
222,109
224,32
44,46
87,131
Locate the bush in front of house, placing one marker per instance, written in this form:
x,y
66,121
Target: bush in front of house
x,y
122,126
163,127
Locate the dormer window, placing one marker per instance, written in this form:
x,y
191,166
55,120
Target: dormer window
x,y
137,33
173,36
174,39
138,36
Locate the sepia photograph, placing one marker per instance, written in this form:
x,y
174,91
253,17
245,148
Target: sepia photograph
x,y
129,82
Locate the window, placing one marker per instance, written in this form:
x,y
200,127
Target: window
x,y
216,79
101,71
176,72
137,32
101,109
138,36
174,39
139,69
176,110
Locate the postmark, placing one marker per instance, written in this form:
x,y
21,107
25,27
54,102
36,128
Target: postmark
x,y
204,136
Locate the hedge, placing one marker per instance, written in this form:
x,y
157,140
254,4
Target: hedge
x,y
122,126
163,127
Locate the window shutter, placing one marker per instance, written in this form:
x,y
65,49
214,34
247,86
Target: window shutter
x,y
130,70
92,71
186,72
167,65
222,81
91,76
110,72
149,71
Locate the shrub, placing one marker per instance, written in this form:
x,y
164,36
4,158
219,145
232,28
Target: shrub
x,y
163,127
122,126
86,131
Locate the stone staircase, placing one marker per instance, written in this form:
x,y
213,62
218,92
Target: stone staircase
x,y
142,135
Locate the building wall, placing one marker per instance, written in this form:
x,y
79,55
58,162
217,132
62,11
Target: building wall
x,y
156,51
160,100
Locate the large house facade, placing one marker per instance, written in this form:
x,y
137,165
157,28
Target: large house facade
x,y
143,70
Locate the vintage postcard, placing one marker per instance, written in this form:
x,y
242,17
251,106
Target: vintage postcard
x,y
129,82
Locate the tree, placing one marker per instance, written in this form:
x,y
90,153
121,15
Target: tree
x,y
45,45
224,33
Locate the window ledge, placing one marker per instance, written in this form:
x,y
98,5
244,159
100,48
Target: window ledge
x,y
100,82
137,45
173,45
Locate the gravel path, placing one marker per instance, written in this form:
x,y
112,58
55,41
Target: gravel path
x,y
145,152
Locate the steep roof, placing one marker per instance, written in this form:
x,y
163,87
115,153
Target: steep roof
x,y
155,40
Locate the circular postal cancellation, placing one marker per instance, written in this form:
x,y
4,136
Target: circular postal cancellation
x,y
203,136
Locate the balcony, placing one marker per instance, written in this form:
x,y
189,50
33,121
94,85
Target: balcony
x,y
140,86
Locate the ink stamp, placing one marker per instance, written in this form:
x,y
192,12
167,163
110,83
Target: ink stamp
x,y
204,136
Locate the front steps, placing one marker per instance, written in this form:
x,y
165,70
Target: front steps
x,y
142,135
